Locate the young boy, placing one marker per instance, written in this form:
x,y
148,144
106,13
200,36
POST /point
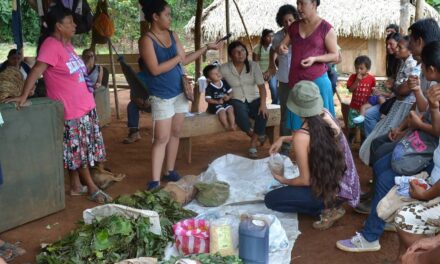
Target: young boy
x,y
361,84
217,95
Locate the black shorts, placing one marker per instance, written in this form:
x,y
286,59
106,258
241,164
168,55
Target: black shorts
x,y
216,108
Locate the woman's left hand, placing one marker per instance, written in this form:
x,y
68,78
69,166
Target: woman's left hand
x,y
417,192
279,178
263,110
308,62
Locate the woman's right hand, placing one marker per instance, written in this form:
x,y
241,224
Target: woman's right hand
x,y
276,146
19,100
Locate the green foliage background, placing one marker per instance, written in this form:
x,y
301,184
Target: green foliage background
x,y
125,14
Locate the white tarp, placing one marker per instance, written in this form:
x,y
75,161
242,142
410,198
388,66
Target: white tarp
x,y
249,180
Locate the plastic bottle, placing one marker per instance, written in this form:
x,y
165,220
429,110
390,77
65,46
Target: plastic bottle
x,y
254,241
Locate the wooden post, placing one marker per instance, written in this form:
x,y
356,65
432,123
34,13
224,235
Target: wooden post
x,y
405,16
244,25
197,46
228,25
420,7
115,88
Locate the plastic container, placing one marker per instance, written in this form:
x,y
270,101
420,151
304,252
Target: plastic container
x,y
253,237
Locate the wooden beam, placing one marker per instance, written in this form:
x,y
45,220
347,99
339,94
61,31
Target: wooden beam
x,y
420,7
115,87
197,46
228,21
244,25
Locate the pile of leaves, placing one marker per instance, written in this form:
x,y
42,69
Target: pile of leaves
x,y
107,240
170,212
207,259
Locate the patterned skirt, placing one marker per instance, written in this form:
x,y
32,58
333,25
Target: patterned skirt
x,y
83,143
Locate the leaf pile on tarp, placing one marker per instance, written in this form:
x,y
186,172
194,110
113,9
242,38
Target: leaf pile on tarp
x,y
207,259
170,212
107,240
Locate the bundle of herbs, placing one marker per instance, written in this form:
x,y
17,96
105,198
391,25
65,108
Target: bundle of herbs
x,y
170,212
106,240
207,259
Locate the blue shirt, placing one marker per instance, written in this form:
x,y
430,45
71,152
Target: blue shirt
x,y
168,84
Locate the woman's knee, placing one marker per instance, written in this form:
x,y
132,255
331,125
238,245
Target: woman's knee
x,y
160,139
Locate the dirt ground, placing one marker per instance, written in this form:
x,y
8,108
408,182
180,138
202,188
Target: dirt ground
x,y
312,246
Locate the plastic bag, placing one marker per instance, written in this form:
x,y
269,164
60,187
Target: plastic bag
x,y
276,164
277,235
182,191
116,209
192,236
220,237
142,260
212,194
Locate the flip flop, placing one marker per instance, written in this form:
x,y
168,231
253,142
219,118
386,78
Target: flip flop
x,y
10,251
252,152
84,191
100,193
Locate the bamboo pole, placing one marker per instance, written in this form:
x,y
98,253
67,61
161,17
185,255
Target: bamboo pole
x,y
420,6
115,88
197,46
228,24
244,25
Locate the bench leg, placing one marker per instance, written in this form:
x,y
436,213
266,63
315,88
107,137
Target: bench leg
x,y
270,133
185,143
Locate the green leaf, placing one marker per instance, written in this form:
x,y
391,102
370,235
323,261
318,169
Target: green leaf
x,y
101,241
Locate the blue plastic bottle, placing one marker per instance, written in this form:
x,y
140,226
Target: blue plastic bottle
x,y
254,241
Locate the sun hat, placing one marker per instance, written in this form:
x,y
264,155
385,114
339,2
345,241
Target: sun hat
x,y
305,99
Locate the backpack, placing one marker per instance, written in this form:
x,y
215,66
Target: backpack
x,y
82,16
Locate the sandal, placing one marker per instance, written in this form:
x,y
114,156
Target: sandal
x,y
9,251
83,191
100,197
262,139
328,218
252,152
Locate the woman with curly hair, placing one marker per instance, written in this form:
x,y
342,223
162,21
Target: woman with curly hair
x,y
327,174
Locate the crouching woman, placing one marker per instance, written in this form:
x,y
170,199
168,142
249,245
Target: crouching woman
x,y
327,173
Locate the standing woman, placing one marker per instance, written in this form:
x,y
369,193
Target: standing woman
x,y
162,53
261,54
65,74
314,43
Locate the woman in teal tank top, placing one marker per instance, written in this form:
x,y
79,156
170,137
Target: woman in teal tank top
x,y
163,56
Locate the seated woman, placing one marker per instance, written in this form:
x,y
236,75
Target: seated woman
x,y
328,175
15,59
248,94
94,71
419,220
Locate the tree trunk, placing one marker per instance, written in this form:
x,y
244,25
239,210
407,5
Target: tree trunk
x,y
197,46
420,8
405,16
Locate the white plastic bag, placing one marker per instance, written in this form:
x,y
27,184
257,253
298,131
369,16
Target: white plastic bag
x,y
277,235
142,260
116,209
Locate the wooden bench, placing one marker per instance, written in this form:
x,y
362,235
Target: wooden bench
x,y
202,124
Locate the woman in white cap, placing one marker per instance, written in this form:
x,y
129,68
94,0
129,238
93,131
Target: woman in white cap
x,y
327,173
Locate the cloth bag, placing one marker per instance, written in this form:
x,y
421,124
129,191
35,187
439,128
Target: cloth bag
x,y
212,194
413,153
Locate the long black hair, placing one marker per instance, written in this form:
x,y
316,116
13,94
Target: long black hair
x,y
392,63
326,160
264,34
238,43
151,7
5,64
55,15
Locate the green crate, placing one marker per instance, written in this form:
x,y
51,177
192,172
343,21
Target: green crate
x,y
31,154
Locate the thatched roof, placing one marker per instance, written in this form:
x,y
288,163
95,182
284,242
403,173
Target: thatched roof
x,y
365,19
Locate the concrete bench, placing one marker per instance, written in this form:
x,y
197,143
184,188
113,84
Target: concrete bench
x,y
202,124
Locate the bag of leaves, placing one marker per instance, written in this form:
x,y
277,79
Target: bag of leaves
x,y
212,194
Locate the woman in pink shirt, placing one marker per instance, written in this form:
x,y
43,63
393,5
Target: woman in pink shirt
x,y
314,43
65,77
